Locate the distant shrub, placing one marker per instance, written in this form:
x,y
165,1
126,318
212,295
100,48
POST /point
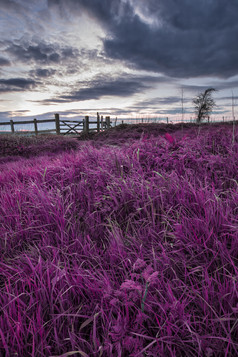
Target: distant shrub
x,y
14,145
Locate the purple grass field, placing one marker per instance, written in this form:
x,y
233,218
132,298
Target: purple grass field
x,y
124,244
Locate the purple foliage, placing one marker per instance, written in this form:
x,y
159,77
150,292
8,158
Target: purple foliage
x,y
13,147
121,250
169,138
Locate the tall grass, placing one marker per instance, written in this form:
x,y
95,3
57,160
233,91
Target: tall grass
x,y
127,250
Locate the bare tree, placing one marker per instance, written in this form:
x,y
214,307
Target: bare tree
x,y
204,104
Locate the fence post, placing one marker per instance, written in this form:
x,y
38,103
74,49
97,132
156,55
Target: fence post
x,y
101,122
57,124
223,119
86,124
142,120
98,122
116,122
107,122
12,126
167,120
35,125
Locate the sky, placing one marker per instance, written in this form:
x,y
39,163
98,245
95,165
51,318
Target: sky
x,y
123,58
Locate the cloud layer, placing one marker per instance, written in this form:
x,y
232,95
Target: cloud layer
x,y
16,85
104,86
177,38
42,52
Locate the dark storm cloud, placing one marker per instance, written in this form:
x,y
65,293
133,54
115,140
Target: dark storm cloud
x,y
178,38
41,52
192,41
16,85
159,101
11,5
103,86
118,88
4,62
227,85
43,72
197,88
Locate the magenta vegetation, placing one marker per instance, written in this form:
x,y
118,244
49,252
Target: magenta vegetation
x,y
122,245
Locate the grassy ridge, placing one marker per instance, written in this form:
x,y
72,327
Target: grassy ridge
x,y
127,250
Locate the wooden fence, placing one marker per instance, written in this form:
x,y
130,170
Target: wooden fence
x,y
170,120
65,126
62,126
